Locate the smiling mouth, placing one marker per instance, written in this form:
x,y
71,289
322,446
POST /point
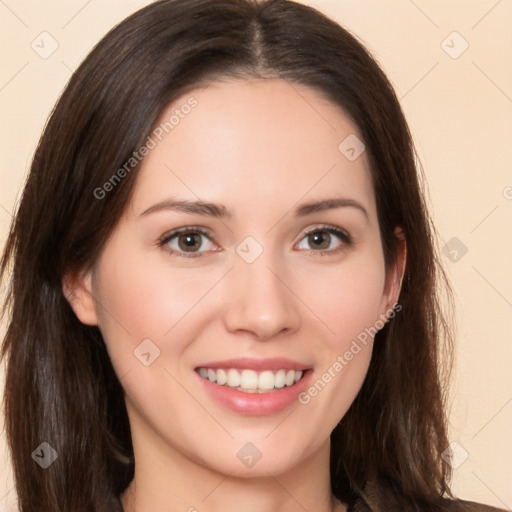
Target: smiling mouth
x,y
250,381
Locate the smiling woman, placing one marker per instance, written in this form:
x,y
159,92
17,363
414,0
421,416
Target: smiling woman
x,y
247,316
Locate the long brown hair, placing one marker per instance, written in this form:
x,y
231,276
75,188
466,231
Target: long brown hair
x,y
60,386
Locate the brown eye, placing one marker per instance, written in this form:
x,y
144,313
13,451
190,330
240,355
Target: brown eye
x,y
319,240
325,239
190,242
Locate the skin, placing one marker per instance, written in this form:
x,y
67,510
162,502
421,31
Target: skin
x,y
261,148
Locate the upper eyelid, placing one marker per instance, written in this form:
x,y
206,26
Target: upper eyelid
x,y
186,229
328,228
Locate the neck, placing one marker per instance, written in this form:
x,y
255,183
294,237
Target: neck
x,y
166,480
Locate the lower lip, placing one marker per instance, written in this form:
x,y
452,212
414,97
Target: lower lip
x,y
257,404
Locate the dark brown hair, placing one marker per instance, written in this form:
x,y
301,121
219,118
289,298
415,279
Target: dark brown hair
x,y
60,385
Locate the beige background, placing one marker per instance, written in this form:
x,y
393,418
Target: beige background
x,y
460,113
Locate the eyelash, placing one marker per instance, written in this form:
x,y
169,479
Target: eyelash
x,y
167,237
343,236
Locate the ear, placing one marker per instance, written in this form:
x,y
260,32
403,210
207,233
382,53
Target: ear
x,y
77,289
396,272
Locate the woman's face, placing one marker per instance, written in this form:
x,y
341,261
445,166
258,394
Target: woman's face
x,y
253,236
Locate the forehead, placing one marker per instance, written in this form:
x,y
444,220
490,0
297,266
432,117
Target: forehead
x,y
258,140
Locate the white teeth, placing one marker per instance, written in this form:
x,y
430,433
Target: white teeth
x,y
222,377
233,378
280,378
250,380
266,380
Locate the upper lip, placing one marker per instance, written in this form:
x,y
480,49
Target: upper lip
x,y
242,363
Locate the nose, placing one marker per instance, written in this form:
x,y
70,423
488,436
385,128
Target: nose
x,y
260,301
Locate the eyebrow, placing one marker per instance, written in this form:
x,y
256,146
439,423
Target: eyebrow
x,y
221,212
197,207
329,204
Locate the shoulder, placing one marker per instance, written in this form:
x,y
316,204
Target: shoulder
x,y
383,495
394,502
468,506
445,506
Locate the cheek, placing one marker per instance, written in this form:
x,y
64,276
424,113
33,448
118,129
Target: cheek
x,y
347,299
139,299
349,308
